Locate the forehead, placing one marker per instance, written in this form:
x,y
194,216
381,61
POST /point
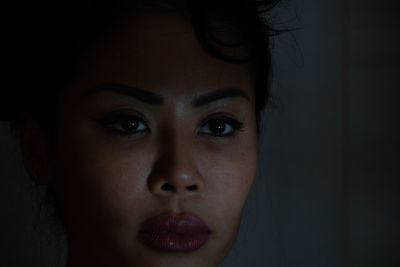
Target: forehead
x,y
159,51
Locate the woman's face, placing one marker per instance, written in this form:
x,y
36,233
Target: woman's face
x,y
153,131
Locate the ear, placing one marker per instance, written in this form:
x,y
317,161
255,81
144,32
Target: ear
x,y
35,149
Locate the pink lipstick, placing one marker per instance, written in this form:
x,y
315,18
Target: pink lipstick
x,y
174,233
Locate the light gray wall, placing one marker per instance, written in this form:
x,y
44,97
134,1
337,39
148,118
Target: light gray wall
x,y
327,191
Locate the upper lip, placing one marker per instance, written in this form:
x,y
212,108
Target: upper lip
x,y
176,223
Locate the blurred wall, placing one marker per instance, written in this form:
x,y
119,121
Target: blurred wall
x,y
373,130
327,191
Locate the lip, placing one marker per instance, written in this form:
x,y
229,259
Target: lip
x,y
174,233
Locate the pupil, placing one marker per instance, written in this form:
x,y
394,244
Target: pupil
x,y
130,125
218,127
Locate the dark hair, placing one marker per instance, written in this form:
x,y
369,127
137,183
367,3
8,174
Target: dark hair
x,y
44,45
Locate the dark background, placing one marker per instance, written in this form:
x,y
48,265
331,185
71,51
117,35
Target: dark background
x,y
327,192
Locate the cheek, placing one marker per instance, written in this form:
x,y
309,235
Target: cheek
x,y
230,175
99,179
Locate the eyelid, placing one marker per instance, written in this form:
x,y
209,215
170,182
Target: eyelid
x,y
118,116
217,115
125,113
222,116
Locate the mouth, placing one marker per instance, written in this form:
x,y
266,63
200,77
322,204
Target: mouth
x,y
174,233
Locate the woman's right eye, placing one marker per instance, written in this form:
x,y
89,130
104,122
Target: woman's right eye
x,y
125,124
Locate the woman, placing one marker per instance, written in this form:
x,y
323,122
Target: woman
x,y
142,118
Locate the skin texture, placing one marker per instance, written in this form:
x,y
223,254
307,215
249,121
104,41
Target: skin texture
x,y
108,184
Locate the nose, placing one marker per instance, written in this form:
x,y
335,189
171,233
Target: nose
x,y
175,172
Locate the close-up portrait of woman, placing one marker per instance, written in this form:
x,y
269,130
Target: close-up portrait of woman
x,y
140,125
142,118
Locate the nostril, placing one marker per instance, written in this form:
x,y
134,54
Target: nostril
x,y
192,187
167,187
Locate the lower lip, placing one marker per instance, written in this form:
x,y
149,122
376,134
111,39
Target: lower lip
x,y
172,234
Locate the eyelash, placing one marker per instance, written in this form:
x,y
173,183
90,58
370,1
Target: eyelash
x,y
108,121
226,121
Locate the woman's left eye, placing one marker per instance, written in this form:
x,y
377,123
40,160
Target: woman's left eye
x,y
125,124
221,127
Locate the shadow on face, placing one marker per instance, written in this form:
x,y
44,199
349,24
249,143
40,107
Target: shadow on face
x,y
152,126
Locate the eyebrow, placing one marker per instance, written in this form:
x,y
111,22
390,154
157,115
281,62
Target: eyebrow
x,y
140,94
155,99
207,98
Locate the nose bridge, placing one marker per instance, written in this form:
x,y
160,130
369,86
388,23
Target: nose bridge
x,y
175,170
178,158
175,147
